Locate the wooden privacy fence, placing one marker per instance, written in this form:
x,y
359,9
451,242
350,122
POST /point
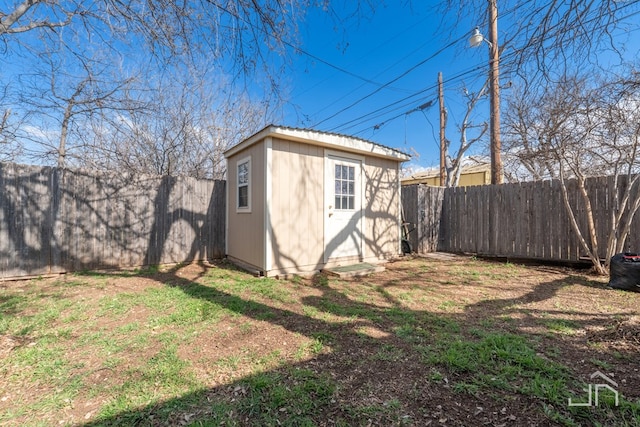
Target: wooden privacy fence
x,y
55,220
521,220
422,208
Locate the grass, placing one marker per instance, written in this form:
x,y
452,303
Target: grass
x,y
562,326
50,353
299,393
153,347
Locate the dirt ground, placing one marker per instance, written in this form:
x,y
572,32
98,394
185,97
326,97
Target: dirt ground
x,y
534,301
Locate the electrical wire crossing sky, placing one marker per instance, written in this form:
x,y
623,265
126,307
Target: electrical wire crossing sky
x,y
377,80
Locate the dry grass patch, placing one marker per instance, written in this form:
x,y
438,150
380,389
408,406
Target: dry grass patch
x,y
427,342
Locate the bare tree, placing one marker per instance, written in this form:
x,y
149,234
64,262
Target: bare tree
x,y
164,25
575,131
10,147
454,162
63,96
541,41
238,37
245,43
544,40
534,128
183,130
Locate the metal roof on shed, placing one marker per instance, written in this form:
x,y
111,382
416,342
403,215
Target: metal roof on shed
x,y
324,139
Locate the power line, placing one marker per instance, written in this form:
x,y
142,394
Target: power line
x,y
363,118
343,128
372,113
378,74
379,112
375,49
455,78
508,12
366,117
294,47
388,83
422,107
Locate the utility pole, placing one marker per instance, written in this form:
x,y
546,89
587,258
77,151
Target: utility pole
x,y
494,94
443,123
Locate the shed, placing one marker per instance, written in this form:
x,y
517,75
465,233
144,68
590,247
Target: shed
x,y
299,201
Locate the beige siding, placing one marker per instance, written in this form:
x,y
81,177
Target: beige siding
x,y
245,231
296,218
381,209
284,232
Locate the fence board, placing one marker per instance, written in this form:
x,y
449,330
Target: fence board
x,y
536,230
54,220
423,219
410,202
521,208
547,221
423,206
634,236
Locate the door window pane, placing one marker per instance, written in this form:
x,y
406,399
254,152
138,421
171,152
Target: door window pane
x,y
345,187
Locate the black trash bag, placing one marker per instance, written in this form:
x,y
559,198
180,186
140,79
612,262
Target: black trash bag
x,y
624,272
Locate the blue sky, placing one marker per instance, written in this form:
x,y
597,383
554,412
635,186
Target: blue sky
x,y
404,42
373,75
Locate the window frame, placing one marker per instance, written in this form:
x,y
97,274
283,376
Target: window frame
x,y
350,195
241,162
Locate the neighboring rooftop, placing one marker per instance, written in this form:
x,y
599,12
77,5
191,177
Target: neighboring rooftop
x,y
477,174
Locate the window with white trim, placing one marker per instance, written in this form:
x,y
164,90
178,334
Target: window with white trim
x,y
244,184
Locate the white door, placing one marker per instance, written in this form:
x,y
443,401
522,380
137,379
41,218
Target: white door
x,y
343,207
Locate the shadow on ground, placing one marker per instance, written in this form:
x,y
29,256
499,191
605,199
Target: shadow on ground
x,y
384,365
